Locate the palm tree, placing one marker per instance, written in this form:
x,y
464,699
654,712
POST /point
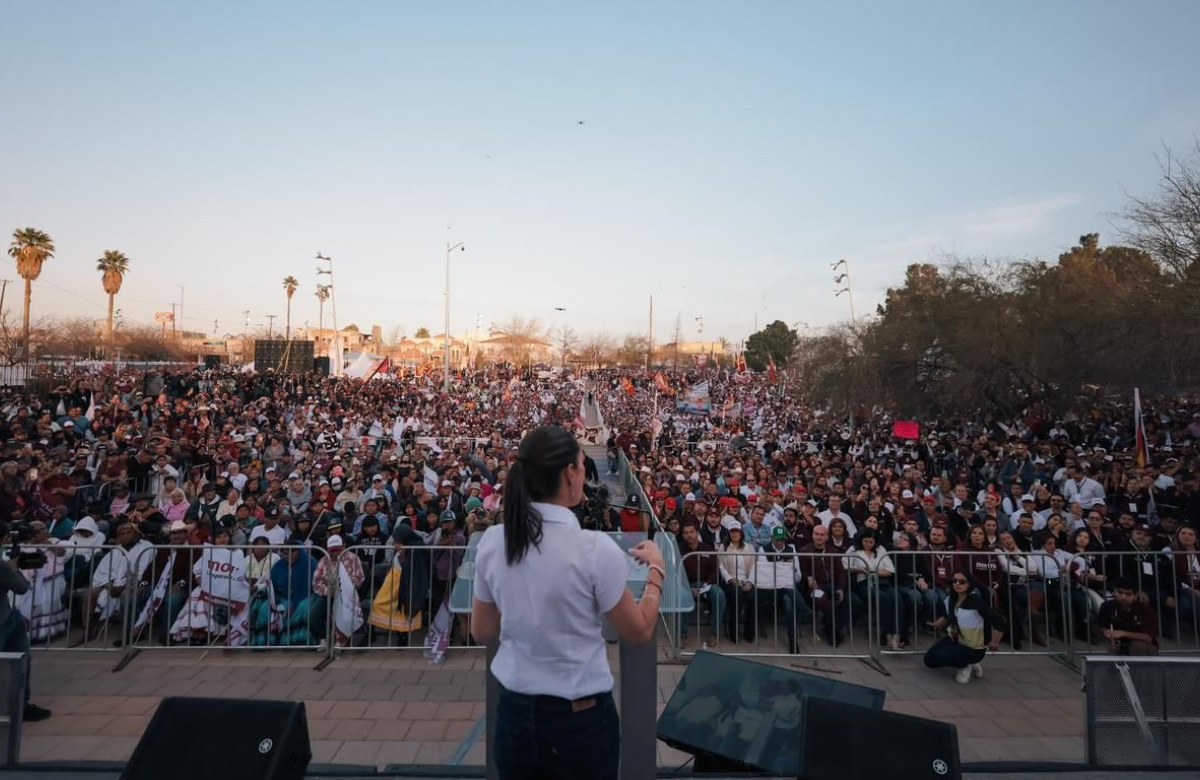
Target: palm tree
x,y
114,265
30,247
289,286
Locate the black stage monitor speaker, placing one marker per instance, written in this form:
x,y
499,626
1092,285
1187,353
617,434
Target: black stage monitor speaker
x,y
230,739
321,365
840,740
733,714
283,356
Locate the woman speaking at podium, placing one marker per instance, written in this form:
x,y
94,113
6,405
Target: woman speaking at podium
x,y
542,587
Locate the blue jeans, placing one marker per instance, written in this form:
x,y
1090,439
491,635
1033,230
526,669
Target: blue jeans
x,y
14,638
716,608
789,608
544,738
930,598
947,652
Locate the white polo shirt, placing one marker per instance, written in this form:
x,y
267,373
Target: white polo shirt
x,y
551,606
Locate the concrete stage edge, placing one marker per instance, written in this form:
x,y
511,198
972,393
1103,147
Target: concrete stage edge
x,y
994,771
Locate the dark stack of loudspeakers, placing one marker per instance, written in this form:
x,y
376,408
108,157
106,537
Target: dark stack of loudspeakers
x,y
736,715
282,356
230,739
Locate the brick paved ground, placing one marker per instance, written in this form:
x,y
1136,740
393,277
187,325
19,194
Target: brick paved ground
x,y
392,707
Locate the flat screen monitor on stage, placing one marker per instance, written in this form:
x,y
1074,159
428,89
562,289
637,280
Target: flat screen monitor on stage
x,y
748,714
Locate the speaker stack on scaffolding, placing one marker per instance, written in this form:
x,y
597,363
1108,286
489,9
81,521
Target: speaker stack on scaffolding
x,y
283,356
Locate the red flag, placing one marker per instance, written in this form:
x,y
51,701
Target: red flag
x,y
660,382
772,374
1141,449
383,366
741,363
629,388
906,429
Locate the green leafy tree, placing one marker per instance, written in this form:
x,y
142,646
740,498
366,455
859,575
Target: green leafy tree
x,y
776,341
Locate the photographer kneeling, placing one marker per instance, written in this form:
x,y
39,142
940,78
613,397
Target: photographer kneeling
x,y
14,637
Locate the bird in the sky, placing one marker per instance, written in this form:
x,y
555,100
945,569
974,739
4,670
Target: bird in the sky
x,y
559,308
579,122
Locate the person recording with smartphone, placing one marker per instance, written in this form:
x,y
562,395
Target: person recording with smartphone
x,y
14,634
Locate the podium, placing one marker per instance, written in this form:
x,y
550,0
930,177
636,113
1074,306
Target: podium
x,y
638,687
12,706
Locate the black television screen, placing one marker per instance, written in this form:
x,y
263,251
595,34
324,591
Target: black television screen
x,y
748,713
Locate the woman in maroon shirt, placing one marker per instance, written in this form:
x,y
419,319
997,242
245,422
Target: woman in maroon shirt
x,y
981,565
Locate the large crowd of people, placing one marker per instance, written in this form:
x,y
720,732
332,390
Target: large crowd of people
x,y
211,506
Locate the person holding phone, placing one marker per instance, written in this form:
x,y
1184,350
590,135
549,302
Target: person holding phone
x,y
543,586
14,635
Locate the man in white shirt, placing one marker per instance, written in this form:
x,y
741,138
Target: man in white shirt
x,y
1079,486
835,510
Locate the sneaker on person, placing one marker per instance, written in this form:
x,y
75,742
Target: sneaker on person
x,y
34,713
977,670
963,676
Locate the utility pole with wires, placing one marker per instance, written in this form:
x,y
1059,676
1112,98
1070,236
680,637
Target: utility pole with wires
x,y
270,324
3,290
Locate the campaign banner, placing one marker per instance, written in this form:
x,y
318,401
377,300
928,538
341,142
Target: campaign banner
x,y
221,575
695,400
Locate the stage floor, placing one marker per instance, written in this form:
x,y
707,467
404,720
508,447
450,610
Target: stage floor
x,y
62,772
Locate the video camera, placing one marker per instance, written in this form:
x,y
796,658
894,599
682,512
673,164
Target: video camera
x,y
594,514
25,560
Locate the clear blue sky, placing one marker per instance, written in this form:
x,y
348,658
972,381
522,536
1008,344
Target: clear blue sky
x,y
730,151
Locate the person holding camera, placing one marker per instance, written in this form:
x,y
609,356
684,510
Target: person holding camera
x,y
14,636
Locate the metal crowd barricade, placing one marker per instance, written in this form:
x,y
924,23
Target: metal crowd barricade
x,y
226,597
412,599
1162,580
77,599
869,615
837,619
1035,609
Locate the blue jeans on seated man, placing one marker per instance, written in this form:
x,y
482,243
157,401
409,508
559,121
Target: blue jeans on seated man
x,y
544,737
715,597
789,609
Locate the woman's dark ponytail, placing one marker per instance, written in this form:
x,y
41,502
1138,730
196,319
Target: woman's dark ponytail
x,y
522,523
535,476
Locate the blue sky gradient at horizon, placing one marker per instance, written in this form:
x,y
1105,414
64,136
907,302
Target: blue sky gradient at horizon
x,y
729,153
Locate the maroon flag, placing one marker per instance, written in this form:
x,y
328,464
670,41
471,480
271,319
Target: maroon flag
x,y
906,429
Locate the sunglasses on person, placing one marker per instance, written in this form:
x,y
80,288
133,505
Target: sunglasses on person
x,y
958,581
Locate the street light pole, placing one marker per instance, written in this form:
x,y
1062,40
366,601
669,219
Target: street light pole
x,y
446,369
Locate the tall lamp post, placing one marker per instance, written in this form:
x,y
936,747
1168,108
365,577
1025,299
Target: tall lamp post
x,y
844,278
460,246
335,363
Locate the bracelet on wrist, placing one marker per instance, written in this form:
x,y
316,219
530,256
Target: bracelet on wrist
x,y
659,569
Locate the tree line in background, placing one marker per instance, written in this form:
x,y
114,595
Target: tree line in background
x,y
973,335
955,337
